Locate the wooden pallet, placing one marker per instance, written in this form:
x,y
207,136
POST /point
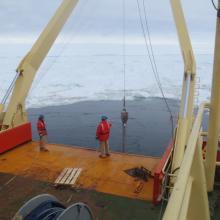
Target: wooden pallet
x,y
68,176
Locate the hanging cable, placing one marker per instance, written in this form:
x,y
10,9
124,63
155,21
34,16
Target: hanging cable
x,y
63,48
216,8
124,58
214,5
124,113
151,48
152,60
9,90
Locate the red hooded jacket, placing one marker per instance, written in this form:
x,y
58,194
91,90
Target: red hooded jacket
x,y
103,130
41,128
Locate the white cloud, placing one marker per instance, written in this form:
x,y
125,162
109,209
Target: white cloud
x,y
103,16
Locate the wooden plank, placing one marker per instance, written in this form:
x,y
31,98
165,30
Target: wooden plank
x,y
72,174
62,181
61,175
76,176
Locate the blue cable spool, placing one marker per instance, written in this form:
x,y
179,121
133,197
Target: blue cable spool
x,y
48,210
47,207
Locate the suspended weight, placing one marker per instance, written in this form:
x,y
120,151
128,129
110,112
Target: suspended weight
x,y
124,117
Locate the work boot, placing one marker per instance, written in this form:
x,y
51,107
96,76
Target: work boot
x,y
102,156
44,149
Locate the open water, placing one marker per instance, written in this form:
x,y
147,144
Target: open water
x,y
148,129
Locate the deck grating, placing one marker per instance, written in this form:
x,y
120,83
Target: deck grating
x,y
68,176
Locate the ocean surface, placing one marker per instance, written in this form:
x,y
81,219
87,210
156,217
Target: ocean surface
x,y
148,128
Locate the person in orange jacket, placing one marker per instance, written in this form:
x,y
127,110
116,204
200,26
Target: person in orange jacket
x,y
42,131
102,134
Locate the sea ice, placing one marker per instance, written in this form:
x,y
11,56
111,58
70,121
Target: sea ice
x,y
78,72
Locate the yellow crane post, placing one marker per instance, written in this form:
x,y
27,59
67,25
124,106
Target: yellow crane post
x,y
185,117
214,115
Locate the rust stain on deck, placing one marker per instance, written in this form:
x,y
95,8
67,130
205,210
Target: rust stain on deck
x,y
103,175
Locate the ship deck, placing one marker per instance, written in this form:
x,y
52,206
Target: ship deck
x,y
101,175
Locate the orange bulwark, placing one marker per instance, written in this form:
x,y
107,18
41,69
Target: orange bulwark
x,y
103,175
15,136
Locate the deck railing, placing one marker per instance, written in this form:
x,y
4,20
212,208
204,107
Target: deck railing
x,y
14,137
189,199
160,175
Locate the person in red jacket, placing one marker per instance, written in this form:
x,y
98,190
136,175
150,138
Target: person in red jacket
x,y
42,131
102,134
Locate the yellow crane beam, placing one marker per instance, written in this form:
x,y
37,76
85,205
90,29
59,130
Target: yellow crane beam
x,y
15,112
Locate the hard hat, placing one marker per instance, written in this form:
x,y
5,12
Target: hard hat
x,y
104,117
41,117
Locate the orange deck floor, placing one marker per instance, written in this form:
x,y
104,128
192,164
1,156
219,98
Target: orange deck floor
x,y
103,175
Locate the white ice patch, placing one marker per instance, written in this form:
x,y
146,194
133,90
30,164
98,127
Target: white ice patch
x,y
78,72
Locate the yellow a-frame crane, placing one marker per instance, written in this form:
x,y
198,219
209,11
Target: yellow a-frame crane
x,y
187,149
14,114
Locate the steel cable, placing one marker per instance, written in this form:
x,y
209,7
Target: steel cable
x,y
214,5
152,60
124,53
9,90
42,74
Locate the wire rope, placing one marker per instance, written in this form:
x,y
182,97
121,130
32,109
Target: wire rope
x,y
71,37
152,60
9,90
152,53
124,54
214,5
124,113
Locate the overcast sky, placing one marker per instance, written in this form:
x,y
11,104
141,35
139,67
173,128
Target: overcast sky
x,y
104,18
